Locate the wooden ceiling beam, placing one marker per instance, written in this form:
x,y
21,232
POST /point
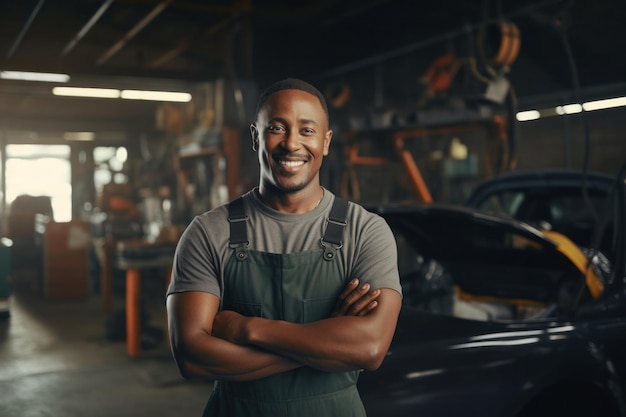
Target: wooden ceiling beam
x,y
92,21
25,28
133,32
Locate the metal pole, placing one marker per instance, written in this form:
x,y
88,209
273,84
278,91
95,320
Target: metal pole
x,y
567,142
3,181
25,29
81,34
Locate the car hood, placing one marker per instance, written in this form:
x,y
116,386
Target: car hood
x,y
436,229
480,249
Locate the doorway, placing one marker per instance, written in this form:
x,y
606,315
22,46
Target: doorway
x,y
40,170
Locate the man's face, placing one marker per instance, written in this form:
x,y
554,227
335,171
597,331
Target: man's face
x,y
293,137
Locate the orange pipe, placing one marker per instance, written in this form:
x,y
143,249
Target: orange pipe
x,y
133,319
415,177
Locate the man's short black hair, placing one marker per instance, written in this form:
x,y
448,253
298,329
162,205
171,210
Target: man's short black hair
x,y
291,84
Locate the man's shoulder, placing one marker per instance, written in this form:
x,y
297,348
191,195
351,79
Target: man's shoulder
x,y
220,212
210,220
360,212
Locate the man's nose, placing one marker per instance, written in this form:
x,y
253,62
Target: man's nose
x,y
291,140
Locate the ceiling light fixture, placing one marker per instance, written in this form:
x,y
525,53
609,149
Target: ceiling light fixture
x,y
80,136
86,92
34,76
527,115
605,104
156,95
125,94
569,109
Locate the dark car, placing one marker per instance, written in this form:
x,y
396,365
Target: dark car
x,y
501,318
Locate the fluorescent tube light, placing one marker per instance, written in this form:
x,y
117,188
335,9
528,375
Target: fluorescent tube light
x,y
569,109
156,95
605,104
34,76
609,103
525,116
80,136
125,94
86,92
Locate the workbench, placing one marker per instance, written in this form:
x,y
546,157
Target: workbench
x,y
133,257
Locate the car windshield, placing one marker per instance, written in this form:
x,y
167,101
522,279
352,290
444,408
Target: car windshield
x,y
562,209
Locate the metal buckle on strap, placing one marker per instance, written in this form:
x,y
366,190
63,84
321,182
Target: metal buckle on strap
x,y
329,249
239,245
330,244
238,219
337,222
241,252
236,227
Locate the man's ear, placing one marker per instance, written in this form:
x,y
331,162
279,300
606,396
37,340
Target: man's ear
x,y
327,139
254,132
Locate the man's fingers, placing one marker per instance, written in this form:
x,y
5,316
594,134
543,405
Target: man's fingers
x,y
363,303
349,288
371,306
350,295
354,298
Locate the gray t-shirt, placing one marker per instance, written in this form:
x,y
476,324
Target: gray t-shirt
x,y
368,252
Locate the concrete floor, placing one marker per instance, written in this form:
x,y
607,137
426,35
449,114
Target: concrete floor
x,y
56,361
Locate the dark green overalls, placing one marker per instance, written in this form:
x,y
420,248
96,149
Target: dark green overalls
x,y
298,287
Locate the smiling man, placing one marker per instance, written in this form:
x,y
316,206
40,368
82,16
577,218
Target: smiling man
x,y
284,295
297,138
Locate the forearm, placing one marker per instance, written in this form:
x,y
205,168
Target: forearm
x,y
202,350
335,344
199,353
212,358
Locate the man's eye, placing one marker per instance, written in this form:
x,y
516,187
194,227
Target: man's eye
x,y
308,131
275,128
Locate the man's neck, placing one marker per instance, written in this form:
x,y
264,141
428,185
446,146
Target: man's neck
x,y
296,202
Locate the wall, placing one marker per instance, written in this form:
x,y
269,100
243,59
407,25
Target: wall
x,y
393,85
554,142
542,143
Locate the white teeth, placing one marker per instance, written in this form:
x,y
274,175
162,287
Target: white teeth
x,y
292,163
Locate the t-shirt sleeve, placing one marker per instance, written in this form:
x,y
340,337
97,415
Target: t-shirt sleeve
x,y
376,260
195,262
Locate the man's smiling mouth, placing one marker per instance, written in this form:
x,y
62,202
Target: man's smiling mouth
x,y
290,164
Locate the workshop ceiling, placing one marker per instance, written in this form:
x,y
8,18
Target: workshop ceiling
x,y
161,44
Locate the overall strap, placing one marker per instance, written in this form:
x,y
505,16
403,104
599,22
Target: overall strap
x,y
337,221
333,235
238,233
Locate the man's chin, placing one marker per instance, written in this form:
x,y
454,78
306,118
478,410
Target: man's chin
x,y
290,186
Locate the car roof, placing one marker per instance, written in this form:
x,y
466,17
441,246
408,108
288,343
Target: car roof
x,y
546,178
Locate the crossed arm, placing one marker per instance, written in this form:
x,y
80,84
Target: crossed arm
x,y
229,346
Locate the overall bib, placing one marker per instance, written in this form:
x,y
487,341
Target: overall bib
x,y
298,287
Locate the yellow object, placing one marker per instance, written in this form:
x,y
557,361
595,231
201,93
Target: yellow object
x,y
578,258
465,296
563,245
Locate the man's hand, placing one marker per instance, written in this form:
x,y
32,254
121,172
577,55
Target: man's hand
x,y
356,300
